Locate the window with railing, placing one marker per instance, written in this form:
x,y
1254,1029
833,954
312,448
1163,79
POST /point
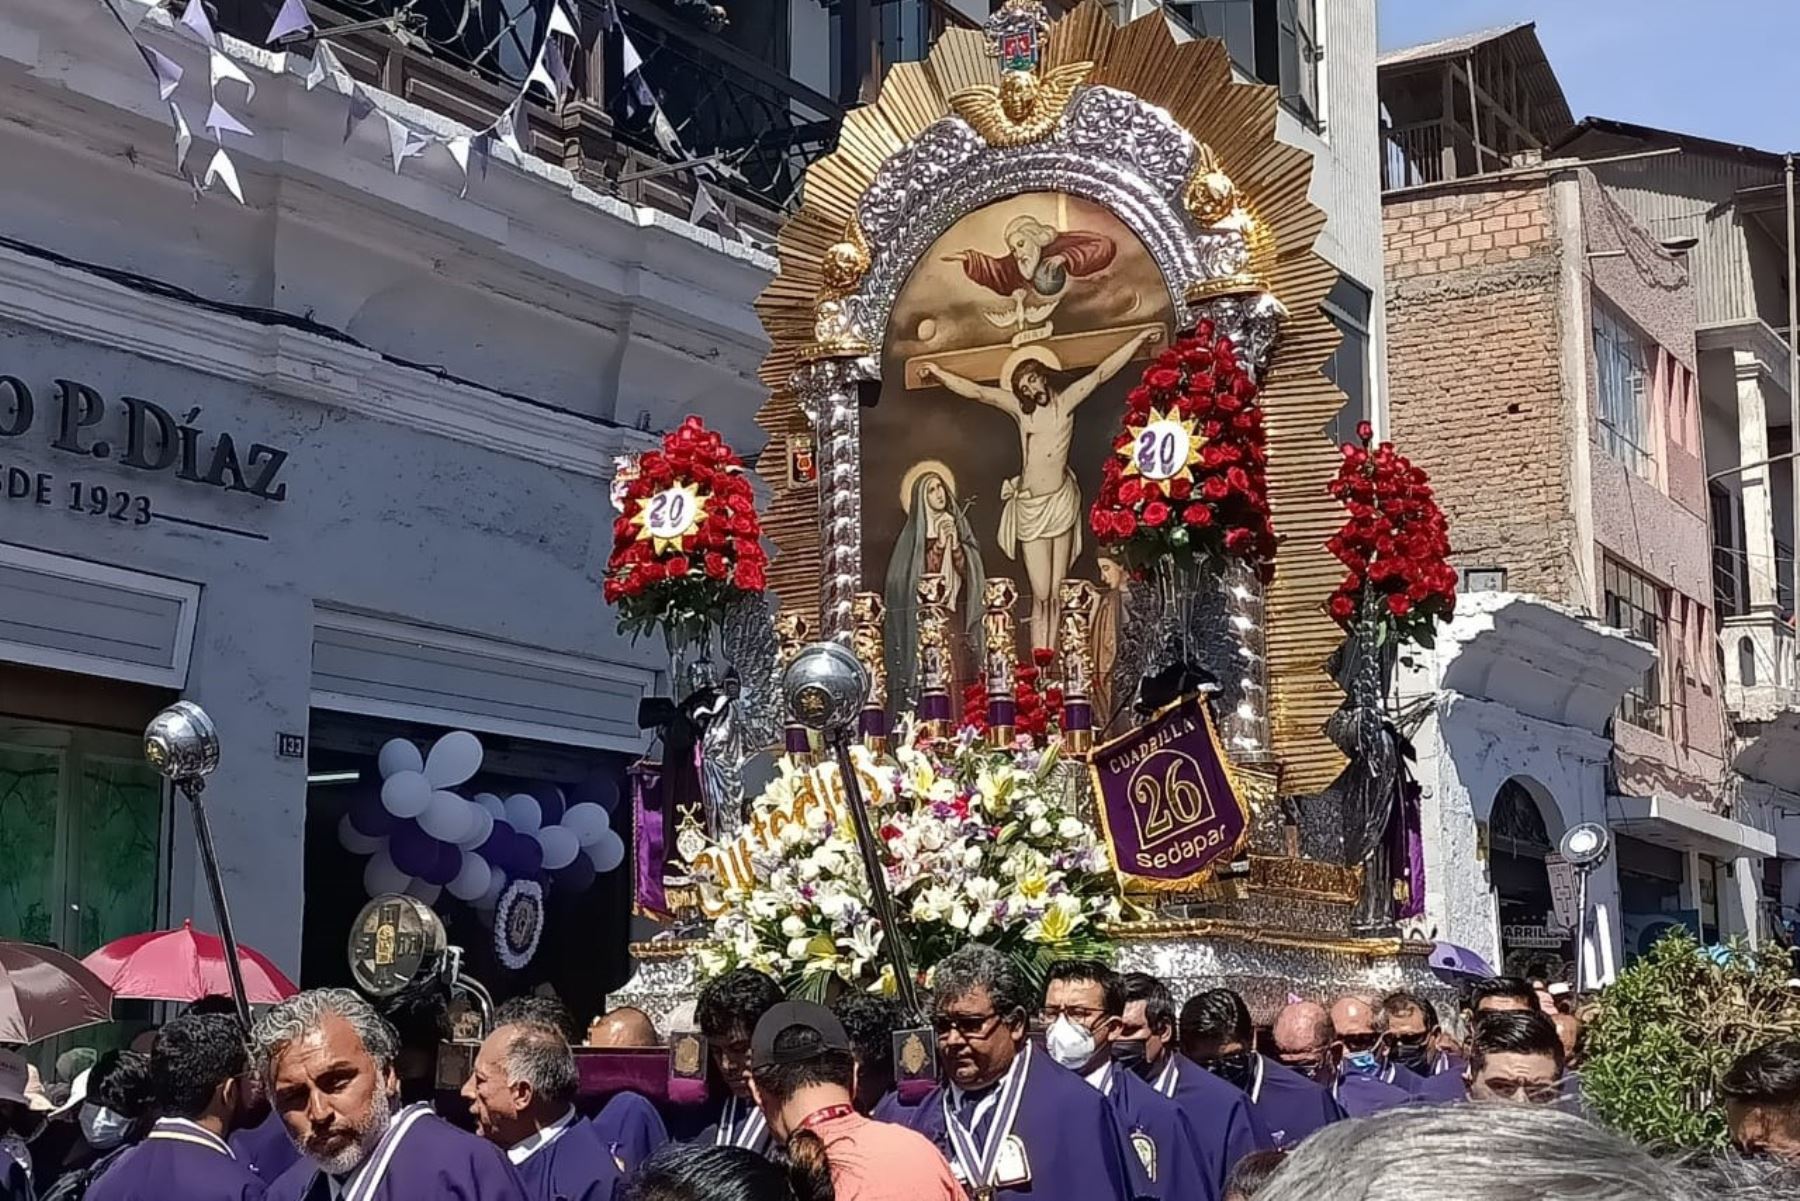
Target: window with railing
x,y
1621,357
1347,304
1639,606
1276,41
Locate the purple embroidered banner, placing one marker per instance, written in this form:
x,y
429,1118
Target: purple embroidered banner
x,y
648,839
1167,802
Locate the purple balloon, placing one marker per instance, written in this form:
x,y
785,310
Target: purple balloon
x,y
530,856
550,800
494,849
447,863
370,817
412,850
576,878
601,787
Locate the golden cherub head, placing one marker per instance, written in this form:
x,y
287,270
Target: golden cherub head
x,y
1018,95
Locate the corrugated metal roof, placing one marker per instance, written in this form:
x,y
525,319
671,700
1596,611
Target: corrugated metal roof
x,y
1451,47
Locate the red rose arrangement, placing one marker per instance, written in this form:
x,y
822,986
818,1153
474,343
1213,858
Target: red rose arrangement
x,y
1037,714
1187,479
1395,542
688,544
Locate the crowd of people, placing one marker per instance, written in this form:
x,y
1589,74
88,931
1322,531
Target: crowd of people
x,y
1099,1087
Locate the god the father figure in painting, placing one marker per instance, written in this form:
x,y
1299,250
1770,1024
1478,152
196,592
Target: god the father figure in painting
x,y
1040,523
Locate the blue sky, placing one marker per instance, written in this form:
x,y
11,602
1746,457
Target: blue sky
x,y
1725,69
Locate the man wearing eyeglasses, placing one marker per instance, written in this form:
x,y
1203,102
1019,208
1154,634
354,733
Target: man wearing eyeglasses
x,y
1011,1122
1084,1003
1515,1055
1358,1058
1417,1043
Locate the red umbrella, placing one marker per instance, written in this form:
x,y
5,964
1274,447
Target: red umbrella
x,y
44,993
184,965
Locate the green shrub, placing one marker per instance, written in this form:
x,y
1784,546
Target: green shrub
x,y
1669,1028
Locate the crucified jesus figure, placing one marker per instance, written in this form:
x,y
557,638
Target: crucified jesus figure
x,y
1040,521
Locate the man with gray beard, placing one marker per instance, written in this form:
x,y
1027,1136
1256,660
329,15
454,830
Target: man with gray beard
x,y
328,1058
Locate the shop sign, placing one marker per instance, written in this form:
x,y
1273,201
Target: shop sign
x,y
140,435
1533,936
1563,893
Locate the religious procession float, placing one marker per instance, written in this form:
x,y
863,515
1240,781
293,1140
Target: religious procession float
x,y
1066,629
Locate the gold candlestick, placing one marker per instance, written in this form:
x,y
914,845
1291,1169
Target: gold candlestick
x,y
867,613
1078,601
1000,654
932,674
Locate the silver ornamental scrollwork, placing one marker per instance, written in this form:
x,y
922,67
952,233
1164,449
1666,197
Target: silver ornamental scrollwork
x,y
914,173
827,393
1118,126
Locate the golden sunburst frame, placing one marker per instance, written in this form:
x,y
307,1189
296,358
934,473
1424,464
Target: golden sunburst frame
x,y
1241,176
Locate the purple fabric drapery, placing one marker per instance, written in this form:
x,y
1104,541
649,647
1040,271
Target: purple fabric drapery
x,y
648,842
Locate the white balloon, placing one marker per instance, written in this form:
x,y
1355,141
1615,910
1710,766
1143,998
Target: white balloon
x,y
429,893
453,760
496,885
481,824
560,846
491,803
608,853
588,821
380,875
406,794
524,813
398,755
355,841
448,817
471,883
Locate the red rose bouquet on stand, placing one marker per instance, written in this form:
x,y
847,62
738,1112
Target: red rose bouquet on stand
x,y
688,544
1395,543
1187,480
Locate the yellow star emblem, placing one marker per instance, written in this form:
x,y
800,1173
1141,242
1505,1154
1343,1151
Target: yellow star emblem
x,y
1164,446
669,518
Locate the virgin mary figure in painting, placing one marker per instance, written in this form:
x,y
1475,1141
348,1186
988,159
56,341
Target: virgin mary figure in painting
x,y
935,540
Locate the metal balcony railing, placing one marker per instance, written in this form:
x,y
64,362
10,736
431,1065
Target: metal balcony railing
x,y
755,126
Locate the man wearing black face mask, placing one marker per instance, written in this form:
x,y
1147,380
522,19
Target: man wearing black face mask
x,y
1083,1003
1216,1032
1417,1043
1224,1122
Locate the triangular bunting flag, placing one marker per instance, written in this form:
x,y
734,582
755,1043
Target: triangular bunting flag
x,y
197,22
326,66
132,12
219,121
292,18
166,70
703,204
629,60
459,150
484,152
540,73
223,68
360,106
560,22
666,136
559,71
508,128
403,142
184,137
221,169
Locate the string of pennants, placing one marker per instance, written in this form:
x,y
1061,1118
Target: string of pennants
x,y
550,72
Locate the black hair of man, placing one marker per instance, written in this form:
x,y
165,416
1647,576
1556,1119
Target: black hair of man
x,y
1511,987
121,1082
420,1013
1399,1004
686,1172
732,1004
213,1003
1159,1002
780,1081
1513,1032
1768,1075
1251,1173
532,1010
196,1053
870,1021
1090,971
1220,1014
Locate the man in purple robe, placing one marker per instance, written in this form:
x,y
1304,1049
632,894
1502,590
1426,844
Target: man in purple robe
x,y
328,1057
728,1009
1287,1089
1084,1003
1225,1123
521,1094
1014,1125
265,1148
628,1125
1217,1036
1419,1044
201,1077
1306,1041
1515,1055
1361,1025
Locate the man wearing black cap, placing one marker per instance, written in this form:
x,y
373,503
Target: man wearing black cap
x,y
803,1075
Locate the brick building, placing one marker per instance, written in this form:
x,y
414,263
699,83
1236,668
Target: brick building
x,y
1542,366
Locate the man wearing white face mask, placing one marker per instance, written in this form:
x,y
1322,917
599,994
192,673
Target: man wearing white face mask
x,y
1084,1001
110,1105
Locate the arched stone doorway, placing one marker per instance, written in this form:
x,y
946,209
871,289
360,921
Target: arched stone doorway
x,y
1523,829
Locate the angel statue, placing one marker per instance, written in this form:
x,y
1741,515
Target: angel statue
x,y
1035,273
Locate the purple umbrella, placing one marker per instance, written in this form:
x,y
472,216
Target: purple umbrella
x,y
1458,961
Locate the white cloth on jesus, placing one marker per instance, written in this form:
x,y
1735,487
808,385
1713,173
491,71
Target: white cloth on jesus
x,y
1027,518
